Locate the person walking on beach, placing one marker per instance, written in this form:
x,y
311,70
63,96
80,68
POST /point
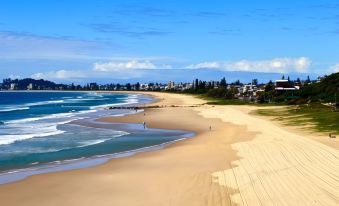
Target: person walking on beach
x,y
144,124
210,128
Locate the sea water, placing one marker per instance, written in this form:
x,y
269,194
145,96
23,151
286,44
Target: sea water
x,y
39,130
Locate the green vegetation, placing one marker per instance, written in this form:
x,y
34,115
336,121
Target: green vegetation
x,y
323,91
222,101
316,117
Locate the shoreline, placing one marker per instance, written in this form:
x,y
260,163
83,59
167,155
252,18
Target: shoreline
x,y
125,164
244,160
19,174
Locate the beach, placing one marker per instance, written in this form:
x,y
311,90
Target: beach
x,y
235,158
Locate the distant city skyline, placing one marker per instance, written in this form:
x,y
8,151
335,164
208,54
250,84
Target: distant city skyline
x,y
123,41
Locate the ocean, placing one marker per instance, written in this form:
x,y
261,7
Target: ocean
x,y
51,131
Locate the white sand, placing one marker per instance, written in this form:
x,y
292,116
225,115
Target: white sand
x,y
278,167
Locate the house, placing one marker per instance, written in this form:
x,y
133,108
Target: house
x,y
285,85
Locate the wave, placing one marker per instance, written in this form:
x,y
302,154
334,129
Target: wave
x,y
10,109
51,116
43,126
9,139
34,119
28,105
93,142
45,103
132,99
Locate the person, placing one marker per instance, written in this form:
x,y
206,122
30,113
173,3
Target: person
x,y
144,124
210,127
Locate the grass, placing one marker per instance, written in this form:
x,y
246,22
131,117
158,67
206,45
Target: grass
x,y
222,101
316,117
226,102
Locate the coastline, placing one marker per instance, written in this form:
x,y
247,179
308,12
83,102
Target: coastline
x,y
238,162
36,168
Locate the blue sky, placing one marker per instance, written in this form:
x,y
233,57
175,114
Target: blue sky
x,y
82,40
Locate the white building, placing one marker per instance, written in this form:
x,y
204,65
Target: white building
x,y
249,88
170,85
14,86
30,86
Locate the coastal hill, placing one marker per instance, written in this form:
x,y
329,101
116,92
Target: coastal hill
x,y
324,90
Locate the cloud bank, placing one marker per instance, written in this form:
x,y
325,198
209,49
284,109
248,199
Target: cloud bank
x,y
60,74
127,65
277,65
124,69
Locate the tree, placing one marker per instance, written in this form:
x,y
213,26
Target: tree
x,y
283,77
269,86
308,80
298,80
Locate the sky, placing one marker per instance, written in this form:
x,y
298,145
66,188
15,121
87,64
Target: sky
x,y
147,40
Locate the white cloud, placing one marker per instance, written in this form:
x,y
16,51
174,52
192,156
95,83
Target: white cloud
x,y
280,65
60,74
334,68
128,65
205,65
12,76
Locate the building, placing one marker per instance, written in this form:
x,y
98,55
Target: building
x,y
249,88
30,86
170,85
93,86
13,86
284,85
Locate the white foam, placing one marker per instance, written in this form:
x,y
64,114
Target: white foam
x,y
22,129
10,109
9,139
51,116
131,99
45,103
93,142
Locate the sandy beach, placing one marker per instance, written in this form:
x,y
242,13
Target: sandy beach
x,y
243,160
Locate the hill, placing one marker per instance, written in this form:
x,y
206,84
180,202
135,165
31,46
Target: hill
x,y
324,90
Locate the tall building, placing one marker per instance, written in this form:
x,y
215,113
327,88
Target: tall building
x,y
170,85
